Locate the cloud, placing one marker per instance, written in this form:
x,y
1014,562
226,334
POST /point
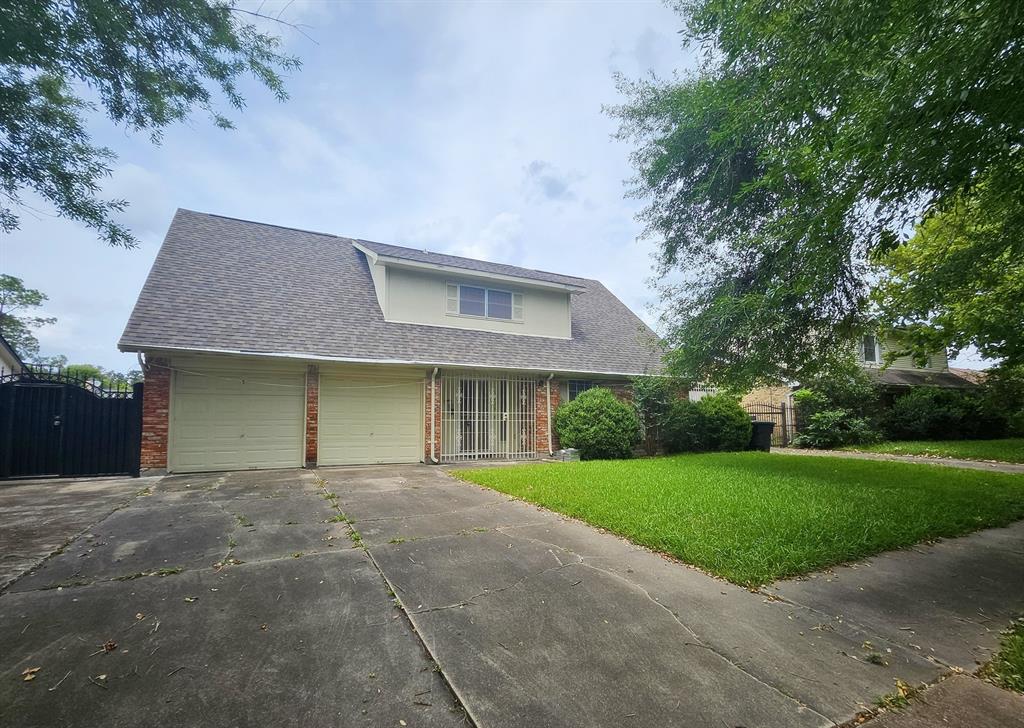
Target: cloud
x,y
473,129
543,177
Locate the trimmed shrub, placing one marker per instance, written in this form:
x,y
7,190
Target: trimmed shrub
x,y
839,407
683,428
598,425
726,425
932,413
828,428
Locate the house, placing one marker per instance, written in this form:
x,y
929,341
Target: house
x,y
894,377
10,362
271,347
902,372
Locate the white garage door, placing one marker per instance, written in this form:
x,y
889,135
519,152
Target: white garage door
x,y
235,419
370,420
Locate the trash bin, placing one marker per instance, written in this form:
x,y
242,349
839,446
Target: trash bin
x,y
761,435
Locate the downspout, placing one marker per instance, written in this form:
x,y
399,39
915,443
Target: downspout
x,y
433,396
547,387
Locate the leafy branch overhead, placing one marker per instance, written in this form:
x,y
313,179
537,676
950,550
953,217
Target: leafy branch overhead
x,y
145,63
812,140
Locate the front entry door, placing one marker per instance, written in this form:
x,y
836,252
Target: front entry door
x,y
488,418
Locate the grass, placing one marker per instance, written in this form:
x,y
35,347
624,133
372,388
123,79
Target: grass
x,y
1008,450
1007,668
753,518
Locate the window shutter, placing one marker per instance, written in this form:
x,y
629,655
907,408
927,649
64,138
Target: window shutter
x,y
453,298
517,306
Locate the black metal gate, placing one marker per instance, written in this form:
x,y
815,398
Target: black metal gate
x,y
784,417
55,425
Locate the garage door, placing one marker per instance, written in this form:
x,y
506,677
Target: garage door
x,y
234,419
370,420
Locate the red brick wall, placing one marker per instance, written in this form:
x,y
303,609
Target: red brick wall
x,y
312,413
156,399
427,416
541,412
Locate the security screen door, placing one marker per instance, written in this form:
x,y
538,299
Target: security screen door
x,y
488,418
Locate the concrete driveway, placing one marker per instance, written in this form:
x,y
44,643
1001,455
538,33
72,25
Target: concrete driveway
x,y
244,599
216,600
539,620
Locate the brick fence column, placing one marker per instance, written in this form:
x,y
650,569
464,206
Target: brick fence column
x,y
312,413
156,401
427,418
541,412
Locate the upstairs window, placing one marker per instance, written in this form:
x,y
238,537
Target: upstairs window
x,y
869,349
578,387
483,302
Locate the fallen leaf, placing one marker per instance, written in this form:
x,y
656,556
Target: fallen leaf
x,y
109,646
140,615
101,677
191,599
30,673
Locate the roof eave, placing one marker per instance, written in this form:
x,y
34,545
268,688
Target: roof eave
x,y
397,262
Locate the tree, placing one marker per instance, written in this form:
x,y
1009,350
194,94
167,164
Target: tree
x,y
106,377
813,136
959,281
17,329
148,64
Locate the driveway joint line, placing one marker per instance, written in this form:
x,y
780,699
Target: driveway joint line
x,y
400,605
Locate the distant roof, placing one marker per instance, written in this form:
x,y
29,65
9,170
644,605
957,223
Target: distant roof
x,y
6,346
977,376
479,266
920,377
221,284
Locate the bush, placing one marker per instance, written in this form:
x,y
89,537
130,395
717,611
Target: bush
x,y
1003,393
598,425
826,428
653,399
840,407
683,428
726,424
932,413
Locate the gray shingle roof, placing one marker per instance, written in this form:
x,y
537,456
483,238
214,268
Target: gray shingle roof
x,y
919,378
222,284
482,266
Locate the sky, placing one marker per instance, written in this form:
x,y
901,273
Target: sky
x,y
467,128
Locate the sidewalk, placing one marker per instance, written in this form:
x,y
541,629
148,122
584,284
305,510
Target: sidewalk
x,y
947,462
536,619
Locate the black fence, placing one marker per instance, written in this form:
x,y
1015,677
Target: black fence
x,y
52,424
784,417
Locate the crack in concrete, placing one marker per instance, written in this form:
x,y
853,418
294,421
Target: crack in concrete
x,y
67,543
699,643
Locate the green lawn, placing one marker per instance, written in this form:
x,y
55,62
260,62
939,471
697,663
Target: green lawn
x,y
754,517
1008,450
1007,668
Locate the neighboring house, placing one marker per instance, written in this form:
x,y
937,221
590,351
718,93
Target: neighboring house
x,y
10,362
894,378
902,372
270,347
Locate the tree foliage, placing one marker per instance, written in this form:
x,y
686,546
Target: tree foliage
x,y
15,326
959,281
812,137
146,63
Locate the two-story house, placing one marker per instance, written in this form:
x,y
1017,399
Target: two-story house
x,y
902,372
270,347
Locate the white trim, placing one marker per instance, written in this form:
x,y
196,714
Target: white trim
x,y
485,331
472,272
358,360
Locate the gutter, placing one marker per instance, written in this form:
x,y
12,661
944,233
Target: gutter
x,y
433,396
547,386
